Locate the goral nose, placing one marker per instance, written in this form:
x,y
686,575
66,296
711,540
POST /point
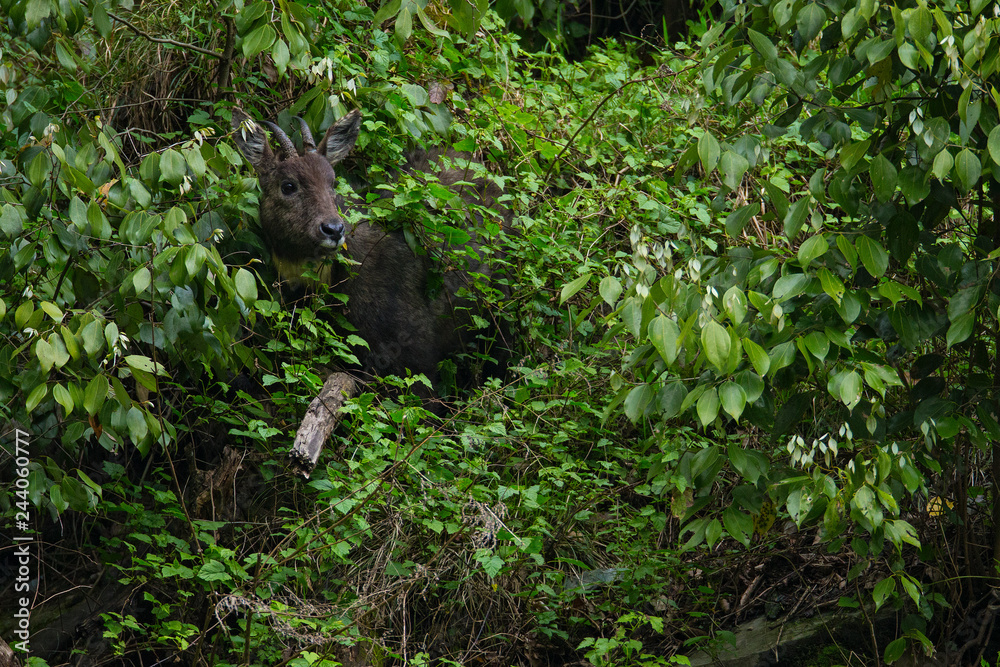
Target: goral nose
x,y
333,231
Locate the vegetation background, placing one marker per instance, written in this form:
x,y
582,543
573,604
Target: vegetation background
x,y
756,302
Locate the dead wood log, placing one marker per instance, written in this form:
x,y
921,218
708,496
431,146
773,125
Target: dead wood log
x,y
7,658
320,420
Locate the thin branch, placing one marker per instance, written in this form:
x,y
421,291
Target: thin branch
x,y
655,77
226,64
161,40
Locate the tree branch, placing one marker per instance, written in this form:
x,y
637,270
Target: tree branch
x,y
161,40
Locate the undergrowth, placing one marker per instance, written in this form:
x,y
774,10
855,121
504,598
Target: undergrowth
x,y
564,512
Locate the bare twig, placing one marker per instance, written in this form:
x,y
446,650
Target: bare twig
x,y
162,40
659,75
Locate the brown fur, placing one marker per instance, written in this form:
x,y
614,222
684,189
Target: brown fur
x,y
388,292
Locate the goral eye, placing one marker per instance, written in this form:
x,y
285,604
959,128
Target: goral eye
x,y
288,187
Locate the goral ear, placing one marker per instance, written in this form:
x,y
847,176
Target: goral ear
x,y
252,141
340,138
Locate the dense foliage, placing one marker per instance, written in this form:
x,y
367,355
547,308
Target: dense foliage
x,y
752,285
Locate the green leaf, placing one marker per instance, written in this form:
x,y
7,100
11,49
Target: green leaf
x,y
919,23
961,328
732,166
883,176
246,286
943,162
38,170
467,15
873,256
781,356
832,284
60,355
196,162
894,651
879,50
708,151
144,363
55,495
93,338
963,301
195,259
36,11
762,45
280,55
758,357
789,286
136,423
909,56
525,10
76,495
390,8
735,303
912,589
818,344
968,168
173,167
12,220
638,401
847,250
738,524
65,57
811,248
631,314
796,217
738,219
430,27
716,342
70,340
78,214
52,310
404,25
810,21
994,144
45,354
852,21
610,290
36,396
99,225
851,154
713,531
141,279
883,590
850,389
733,399
261,38
574,286
775,189
95,395
671,399
708,407
417,95
913,184
664,334
61,394
248,15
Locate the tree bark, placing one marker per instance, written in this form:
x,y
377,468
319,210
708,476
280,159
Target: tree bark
x,y
320,420
995,447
